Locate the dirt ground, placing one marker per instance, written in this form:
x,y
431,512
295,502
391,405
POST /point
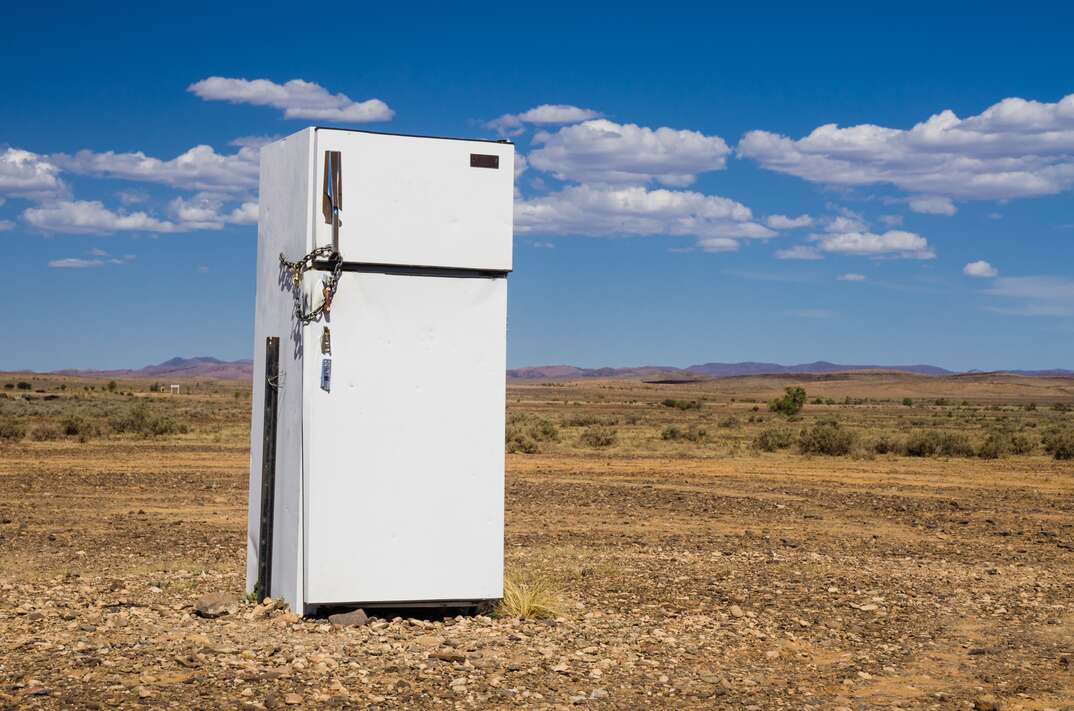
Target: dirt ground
x,y
708,576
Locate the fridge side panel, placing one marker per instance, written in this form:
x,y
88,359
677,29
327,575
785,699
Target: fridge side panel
x,y
419,201
405,497
283,226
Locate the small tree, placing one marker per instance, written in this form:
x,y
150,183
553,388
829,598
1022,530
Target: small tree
x,y
111,386
794,398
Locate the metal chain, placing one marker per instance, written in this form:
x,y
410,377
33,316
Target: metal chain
x,y
302,266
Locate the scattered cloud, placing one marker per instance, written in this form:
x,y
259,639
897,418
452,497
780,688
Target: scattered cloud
x,y
203,269
1015,148
851,277
200,168
543,115
891,220
297,98
132,197
29,175
933,205
205,211
799,251
253,141
601,151
980,269
782,222
6,225
601,210
75,263
995,216
718,244
897,243
1039,295
809,313
92,217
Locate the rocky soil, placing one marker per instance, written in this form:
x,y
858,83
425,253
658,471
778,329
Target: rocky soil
x,y
746,582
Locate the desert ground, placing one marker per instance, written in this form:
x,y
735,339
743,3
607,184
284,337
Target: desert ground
x,y
860,563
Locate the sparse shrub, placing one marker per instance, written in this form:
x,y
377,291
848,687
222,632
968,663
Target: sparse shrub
x,y
907,402
682,404
690,434
23,385
826,438
884,445
1020,444
520,443
46,432
12,430
529,597
774,438
1062,407
139,420
525,430
78,426
729,422
794,398
1059,444
995,446
588,420
111,386
598,436
942,402
937,443
9,386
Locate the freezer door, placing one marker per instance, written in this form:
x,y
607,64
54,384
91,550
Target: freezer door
x,y
404,485
419,201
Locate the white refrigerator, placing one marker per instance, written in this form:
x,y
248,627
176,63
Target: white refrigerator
x,y
377,447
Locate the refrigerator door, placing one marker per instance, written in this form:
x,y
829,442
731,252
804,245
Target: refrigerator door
x,y
419,201
404,480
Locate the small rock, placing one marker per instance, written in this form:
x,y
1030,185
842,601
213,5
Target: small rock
x,y
215,605
448,656
986,703
293,699
354,618
736,611
598,694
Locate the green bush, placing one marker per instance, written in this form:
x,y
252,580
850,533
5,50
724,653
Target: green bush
x,y
1059,444
682,404
772,439
995,446
525,430
588,420
12,429
598,436
23,385
690,434
520,443
792,402
78,426
907,402
826,438
937,443
884,445
139,420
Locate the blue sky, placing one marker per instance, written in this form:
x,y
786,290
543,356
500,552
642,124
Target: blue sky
x,y
783,184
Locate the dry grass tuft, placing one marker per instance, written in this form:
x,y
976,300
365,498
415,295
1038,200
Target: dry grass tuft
x,y
529,597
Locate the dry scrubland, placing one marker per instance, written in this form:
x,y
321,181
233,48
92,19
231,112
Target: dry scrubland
x,y
684,565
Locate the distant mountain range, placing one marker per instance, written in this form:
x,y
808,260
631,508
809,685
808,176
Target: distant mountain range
x,y
199,367
208,367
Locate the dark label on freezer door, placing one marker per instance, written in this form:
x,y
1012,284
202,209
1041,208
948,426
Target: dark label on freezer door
x,y
326,374
482,160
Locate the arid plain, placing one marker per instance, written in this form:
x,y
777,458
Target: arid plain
x,y
902,542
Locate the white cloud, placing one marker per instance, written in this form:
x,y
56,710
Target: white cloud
x,y
1039,295
601,210
800,252
601,151
782,222
205,211
1016,148
253,141
718,244
200,168
297,98
543,115
980,269
6,225
892,243
84,216
891,220
851,277
26,174
933,205
75,263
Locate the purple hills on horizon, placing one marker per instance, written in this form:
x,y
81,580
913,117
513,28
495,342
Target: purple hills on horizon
x,y
209,367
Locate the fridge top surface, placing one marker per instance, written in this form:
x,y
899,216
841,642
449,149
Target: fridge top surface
x,y
502,141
